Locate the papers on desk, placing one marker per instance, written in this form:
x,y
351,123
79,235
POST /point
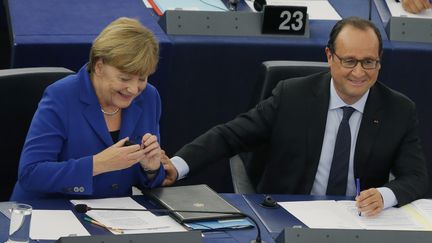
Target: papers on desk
x,y
424,208
131,222
321,214
344,215
316,9
160,6
170,225
396,10
53,224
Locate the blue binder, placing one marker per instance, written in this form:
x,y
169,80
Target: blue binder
x,y
274,219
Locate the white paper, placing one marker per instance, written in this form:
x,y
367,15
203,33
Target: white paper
x,y
125,220
316,9
424,207
53,224
344,215
117,202
388,219
147,4
170,226
202,5
397,10
321,214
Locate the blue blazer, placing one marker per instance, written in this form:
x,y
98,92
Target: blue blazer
x,y
67,129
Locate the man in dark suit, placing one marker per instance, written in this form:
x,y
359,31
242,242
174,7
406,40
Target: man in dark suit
x,y
301,122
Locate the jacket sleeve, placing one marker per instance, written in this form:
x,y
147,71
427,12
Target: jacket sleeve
x,y
245,132
409,168
40,169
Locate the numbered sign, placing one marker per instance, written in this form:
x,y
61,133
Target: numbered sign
x,y
285,20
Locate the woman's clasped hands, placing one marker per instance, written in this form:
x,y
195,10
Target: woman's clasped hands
x,y
125,154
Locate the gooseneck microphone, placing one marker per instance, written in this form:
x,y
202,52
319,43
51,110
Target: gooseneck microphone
x,y
259,5
233,5
83,208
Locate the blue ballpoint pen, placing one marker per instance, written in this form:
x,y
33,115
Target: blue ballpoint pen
x,y
358,190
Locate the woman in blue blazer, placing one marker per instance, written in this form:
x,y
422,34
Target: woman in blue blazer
x,y
76,144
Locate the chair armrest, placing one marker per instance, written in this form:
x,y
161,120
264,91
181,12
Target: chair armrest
x,y
241,181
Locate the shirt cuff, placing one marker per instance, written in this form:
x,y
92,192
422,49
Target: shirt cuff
x,y
388,196
181,166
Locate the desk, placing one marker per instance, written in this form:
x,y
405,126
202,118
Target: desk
x,y
230,236
276,219
203,80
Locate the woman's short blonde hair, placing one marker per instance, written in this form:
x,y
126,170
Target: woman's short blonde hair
x,y
127,45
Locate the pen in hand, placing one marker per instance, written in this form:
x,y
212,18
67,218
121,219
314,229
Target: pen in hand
x,y
358,191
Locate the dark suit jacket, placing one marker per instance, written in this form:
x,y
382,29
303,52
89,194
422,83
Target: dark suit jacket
x,y
292,121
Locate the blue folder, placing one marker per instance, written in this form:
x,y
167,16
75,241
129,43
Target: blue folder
x,y
274,219
220,224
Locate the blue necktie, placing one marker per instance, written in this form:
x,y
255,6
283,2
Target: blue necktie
x,y
339,168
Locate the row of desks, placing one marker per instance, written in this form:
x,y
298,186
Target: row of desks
x,y
281,218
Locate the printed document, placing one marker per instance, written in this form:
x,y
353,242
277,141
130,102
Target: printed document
x,y
388,219
207,5
344,215
126,220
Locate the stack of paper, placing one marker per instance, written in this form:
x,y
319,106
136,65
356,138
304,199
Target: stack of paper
x,y
160,6
130,222
344,215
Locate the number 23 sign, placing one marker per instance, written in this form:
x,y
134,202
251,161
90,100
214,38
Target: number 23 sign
x,y
285,20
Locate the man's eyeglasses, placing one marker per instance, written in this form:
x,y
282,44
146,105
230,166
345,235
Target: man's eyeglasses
x,y
349,62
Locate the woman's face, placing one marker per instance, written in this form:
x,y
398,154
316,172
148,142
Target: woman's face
x,y
114,88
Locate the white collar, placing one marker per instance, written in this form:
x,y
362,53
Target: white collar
x,y
336,102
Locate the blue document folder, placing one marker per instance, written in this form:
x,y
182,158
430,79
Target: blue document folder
x,y
220,224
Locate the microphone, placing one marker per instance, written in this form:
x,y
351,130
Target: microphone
x,y
233,5
83,208
259,5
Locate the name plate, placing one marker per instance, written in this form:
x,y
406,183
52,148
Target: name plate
x,y
230,23
284,20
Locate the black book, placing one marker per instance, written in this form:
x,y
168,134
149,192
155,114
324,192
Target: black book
x,y
193,198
